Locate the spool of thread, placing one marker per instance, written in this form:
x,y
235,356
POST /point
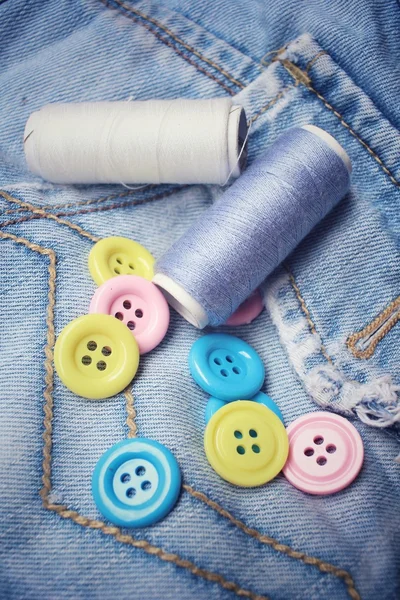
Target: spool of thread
x,y
253,226
154,141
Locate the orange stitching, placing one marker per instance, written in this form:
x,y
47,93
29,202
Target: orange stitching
x,y
73,204
63,511
169,557
381,318
42,213
323,566
314,60
192,50
307,313
289,66
131,414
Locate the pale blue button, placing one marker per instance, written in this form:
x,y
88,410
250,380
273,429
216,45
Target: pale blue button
x,y
226,367
214,404
136,483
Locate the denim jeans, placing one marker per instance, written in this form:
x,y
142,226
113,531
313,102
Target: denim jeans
x,y
329,338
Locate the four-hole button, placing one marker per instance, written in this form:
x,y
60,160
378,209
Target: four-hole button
x,y
326,453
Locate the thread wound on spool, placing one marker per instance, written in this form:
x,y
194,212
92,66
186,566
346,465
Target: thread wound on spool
x,y
251,228
155,141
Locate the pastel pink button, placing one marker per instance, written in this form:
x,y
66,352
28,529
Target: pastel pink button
x,y
136,302
247,311
326,453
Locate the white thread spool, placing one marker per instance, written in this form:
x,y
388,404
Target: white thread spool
x,y
155,141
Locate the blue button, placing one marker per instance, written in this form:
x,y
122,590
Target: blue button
x,y
214,404
267,401
136,483
226,367
211,408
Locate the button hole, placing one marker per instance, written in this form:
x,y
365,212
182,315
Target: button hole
x,y
253,433
140,471
119,316
131,266
308,451
139,313
126,304
224,373
131,325
318,440
240,450
125,478
217,361
229,359
101,365
92,346
236,370
119,261
321,460
117,271
255,448
106,350
146,485
131,492
86,360
238,434
331,448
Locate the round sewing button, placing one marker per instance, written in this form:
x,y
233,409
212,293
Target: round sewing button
x,y
139,304
326,453
226,367
136,483
214,404
247,311
246,443
96,356
119,256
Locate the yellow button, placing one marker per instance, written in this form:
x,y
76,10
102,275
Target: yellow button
x,y
119,256
246,443
96,356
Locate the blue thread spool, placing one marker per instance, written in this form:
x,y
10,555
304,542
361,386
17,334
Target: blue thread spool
x,y
251,229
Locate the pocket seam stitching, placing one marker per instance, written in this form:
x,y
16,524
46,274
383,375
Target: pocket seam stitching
x,y
376,322
131,12
288,65
62,510
84,521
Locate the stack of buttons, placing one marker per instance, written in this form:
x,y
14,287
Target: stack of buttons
x,y
245,440
137,481
97,355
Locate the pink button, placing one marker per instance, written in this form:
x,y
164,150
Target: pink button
x,y
136,302
325,453
247,311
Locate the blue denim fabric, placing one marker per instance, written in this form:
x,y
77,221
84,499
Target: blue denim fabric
x,y
339,280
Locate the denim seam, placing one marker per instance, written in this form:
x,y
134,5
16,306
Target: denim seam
x,y
131,414
375,403
148,19
303,78
77,204
174,37
62,510
391,314
323,566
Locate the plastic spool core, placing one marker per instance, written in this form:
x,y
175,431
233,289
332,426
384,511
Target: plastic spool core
x,y
237,132
179,298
